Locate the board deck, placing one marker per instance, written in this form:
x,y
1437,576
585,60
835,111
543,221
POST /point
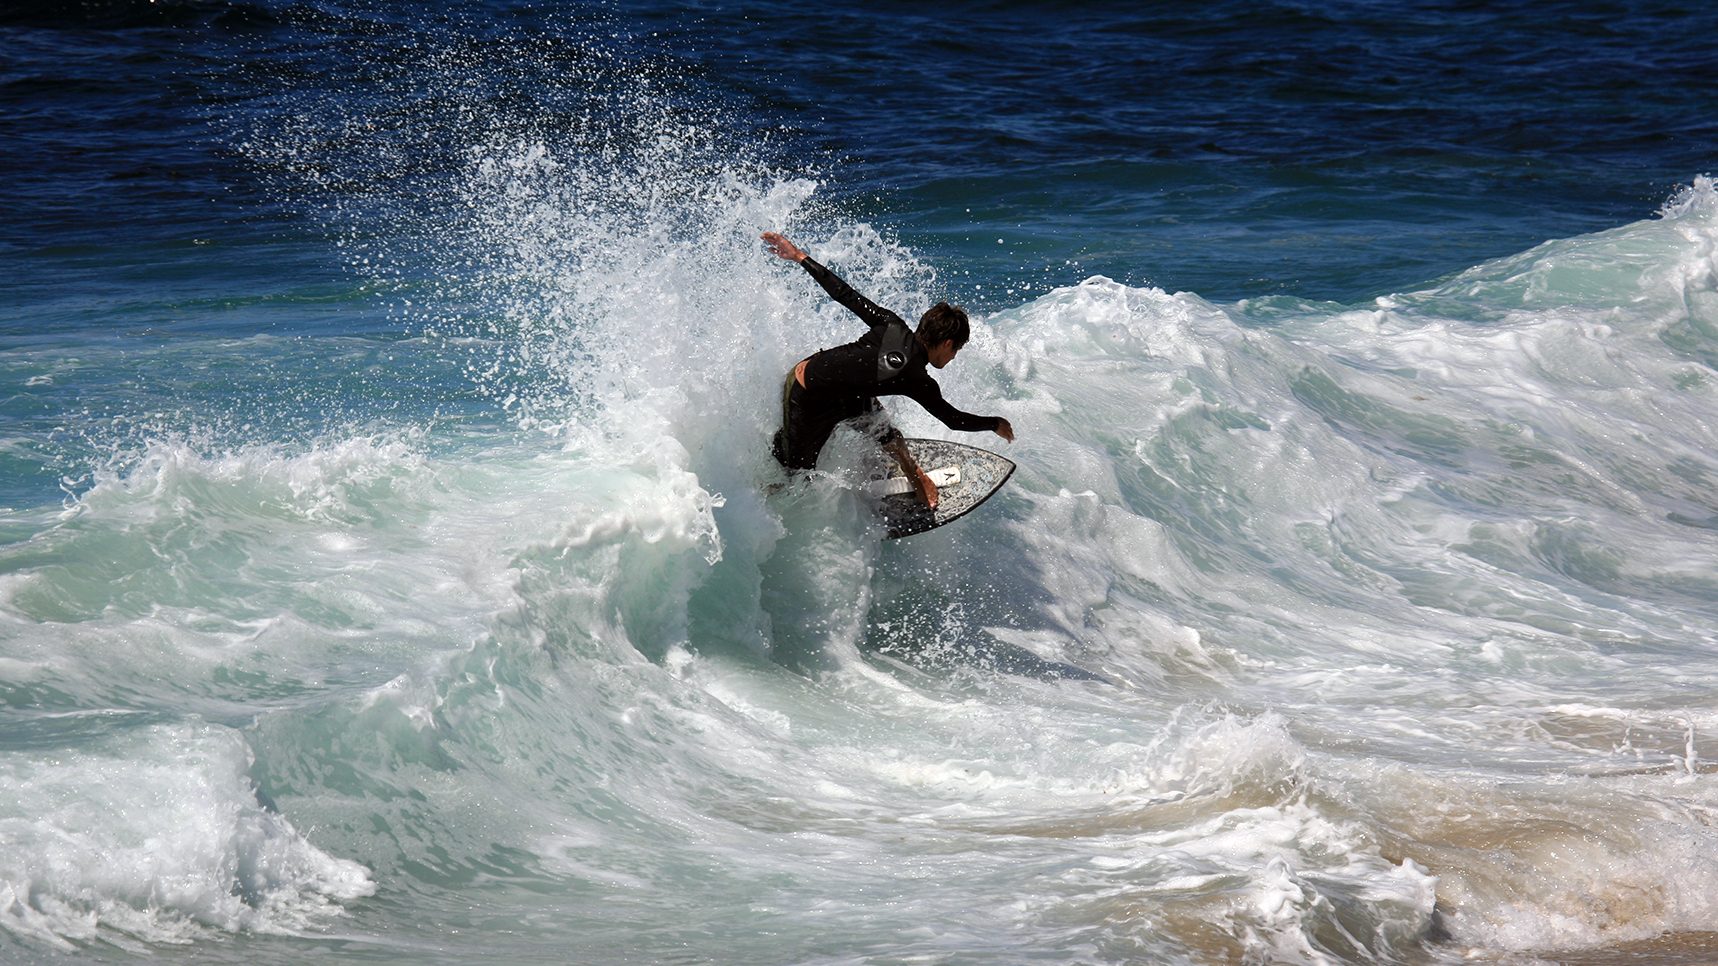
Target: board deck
x,y
976,473
942,476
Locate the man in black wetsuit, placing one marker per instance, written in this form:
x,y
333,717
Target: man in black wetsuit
x,y
843,383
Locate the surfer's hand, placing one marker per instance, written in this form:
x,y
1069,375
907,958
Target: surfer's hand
x,y
1004,429
927,488
782,248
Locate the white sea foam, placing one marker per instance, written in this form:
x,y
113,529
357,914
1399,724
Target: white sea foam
x,y
156,837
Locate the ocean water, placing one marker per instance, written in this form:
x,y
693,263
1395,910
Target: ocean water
x,y
388,570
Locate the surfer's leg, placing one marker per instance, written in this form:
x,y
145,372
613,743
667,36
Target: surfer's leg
x,y
778,443
782,444
805,427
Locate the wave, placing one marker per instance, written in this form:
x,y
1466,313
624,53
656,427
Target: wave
x,y
1389,607
153,835
1348,573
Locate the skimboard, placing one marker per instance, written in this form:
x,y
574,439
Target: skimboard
x,y
965,475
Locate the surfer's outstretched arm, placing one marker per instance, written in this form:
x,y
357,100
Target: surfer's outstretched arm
x,y
925,392
872,313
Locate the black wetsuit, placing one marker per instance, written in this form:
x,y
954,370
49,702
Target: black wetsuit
x,y
844,382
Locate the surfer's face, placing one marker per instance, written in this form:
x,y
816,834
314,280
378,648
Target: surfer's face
x,y
942,353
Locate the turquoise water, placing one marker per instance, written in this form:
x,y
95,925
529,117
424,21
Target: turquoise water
x,y
387,570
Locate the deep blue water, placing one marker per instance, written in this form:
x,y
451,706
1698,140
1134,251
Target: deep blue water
x,y
384,569
1326,150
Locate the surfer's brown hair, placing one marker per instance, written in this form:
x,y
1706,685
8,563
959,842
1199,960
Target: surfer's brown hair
x,y
943,321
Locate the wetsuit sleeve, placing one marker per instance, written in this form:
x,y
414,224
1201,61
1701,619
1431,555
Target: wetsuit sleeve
x,y
873,314
928,394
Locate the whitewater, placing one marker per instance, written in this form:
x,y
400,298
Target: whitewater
x,y
1383,630
1403,613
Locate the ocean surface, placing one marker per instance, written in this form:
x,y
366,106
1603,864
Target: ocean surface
x,y
389,568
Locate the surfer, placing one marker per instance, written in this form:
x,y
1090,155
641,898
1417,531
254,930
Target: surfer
x,y
843,383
